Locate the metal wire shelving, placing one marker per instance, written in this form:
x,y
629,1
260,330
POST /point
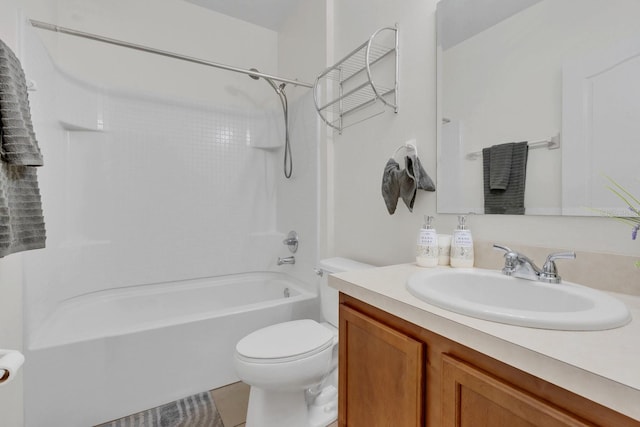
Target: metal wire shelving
x,y
366,77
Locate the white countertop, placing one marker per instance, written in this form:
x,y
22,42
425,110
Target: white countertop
x,y
603,366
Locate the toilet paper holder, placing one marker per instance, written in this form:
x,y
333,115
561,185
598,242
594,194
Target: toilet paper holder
x,y
10,363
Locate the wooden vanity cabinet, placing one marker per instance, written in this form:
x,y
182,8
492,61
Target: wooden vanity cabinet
x,y
471,397
381,374
396,374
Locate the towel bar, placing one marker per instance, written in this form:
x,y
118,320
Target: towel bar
x,y
551,144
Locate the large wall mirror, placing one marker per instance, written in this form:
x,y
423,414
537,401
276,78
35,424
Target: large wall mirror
x,y
563,75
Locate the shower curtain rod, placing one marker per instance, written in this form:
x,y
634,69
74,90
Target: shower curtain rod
x,y
70,31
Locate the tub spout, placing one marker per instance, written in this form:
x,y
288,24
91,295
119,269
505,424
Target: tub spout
x,y
286,260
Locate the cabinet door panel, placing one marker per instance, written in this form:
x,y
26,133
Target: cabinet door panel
x,y
381,374
474,398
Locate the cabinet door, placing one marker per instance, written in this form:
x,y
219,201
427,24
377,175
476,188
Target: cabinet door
x,y
381,374
474,398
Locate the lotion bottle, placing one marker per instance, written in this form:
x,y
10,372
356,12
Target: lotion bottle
x,y
427,245
462,245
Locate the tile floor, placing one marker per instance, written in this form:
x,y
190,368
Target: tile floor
x,y
232,401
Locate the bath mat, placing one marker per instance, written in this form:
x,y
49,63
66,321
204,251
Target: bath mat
x,y
198,410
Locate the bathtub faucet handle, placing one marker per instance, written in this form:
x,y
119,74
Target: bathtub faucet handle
x,y
291,241
286,260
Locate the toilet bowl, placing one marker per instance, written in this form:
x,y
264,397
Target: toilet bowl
x,y
292,366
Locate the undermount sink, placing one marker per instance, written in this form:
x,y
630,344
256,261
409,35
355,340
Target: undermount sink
x,y
491,295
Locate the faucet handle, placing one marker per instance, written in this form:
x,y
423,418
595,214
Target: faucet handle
x,y
291,241
549,272
561,255
502,248
510,259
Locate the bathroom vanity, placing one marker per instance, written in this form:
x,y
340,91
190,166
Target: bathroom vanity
x,y
407,363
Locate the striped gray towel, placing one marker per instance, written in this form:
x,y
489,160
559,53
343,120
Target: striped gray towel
x,y
19,144
21,218
198,410
504,187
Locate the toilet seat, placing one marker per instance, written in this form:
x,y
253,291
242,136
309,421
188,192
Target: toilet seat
x,y
285,342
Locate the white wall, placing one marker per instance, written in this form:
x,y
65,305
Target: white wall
x,y
171,25
363,228
302,36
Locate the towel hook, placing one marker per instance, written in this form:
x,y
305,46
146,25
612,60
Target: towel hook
x,y
408,146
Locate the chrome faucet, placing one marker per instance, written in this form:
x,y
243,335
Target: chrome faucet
x,y
519,265
287,260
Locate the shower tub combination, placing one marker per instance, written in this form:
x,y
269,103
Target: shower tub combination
x,y
112,353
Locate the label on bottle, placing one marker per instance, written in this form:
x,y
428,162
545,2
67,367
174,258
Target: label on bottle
x,y
462,238
427,237
427,248
462,249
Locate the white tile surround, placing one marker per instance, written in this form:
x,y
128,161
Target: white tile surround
x,y
142,189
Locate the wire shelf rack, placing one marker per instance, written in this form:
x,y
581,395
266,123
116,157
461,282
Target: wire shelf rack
x,y
365,78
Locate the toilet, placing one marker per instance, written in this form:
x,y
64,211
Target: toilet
x,y
292,366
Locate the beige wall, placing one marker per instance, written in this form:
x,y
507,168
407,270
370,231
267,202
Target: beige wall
x,y
363,228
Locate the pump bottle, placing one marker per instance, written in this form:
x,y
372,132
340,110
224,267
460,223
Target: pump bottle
x,y
427,245
462,245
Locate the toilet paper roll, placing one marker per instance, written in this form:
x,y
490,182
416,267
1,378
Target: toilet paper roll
x,y
10,363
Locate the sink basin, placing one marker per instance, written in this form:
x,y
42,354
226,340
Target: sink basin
x,y
490,295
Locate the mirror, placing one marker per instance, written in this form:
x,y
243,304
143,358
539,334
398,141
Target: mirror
x,y
559,74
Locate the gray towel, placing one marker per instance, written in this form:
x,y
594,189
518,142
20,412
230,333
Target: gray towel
x,y
510,200
19,144
391,185
424,181
413,178
408,187
500,166
21,219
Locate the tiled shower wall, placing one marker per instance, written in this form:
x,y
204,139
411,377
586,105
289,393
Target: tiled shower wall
x,y
141,189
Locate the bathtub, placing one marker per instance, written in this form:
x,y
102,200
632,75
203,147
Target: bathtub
x,y
109,354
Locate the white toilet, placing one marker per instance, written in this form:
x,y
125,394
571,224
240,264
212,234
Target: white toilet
x,y
292,366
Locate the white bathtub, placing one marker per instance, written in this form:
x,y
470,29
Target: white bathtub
x,y
109,354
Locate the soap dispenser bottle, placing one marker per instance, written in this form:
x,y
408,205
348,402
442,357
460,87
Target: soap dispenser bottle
x,y
427,246
462,245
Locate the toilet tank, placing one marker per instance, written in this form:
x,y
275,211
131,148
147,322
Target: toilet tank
x,y
329,296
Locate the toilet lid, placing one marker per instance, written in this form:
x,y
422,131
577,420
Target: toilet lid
x,y
285,340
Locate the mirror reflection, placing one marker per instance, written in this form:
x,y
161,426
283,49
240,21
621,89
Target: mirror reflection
x,y
560,76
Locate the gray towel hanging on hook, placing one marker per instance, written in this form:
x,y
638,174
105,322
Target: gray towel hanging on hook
x,y
391,185
405,182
